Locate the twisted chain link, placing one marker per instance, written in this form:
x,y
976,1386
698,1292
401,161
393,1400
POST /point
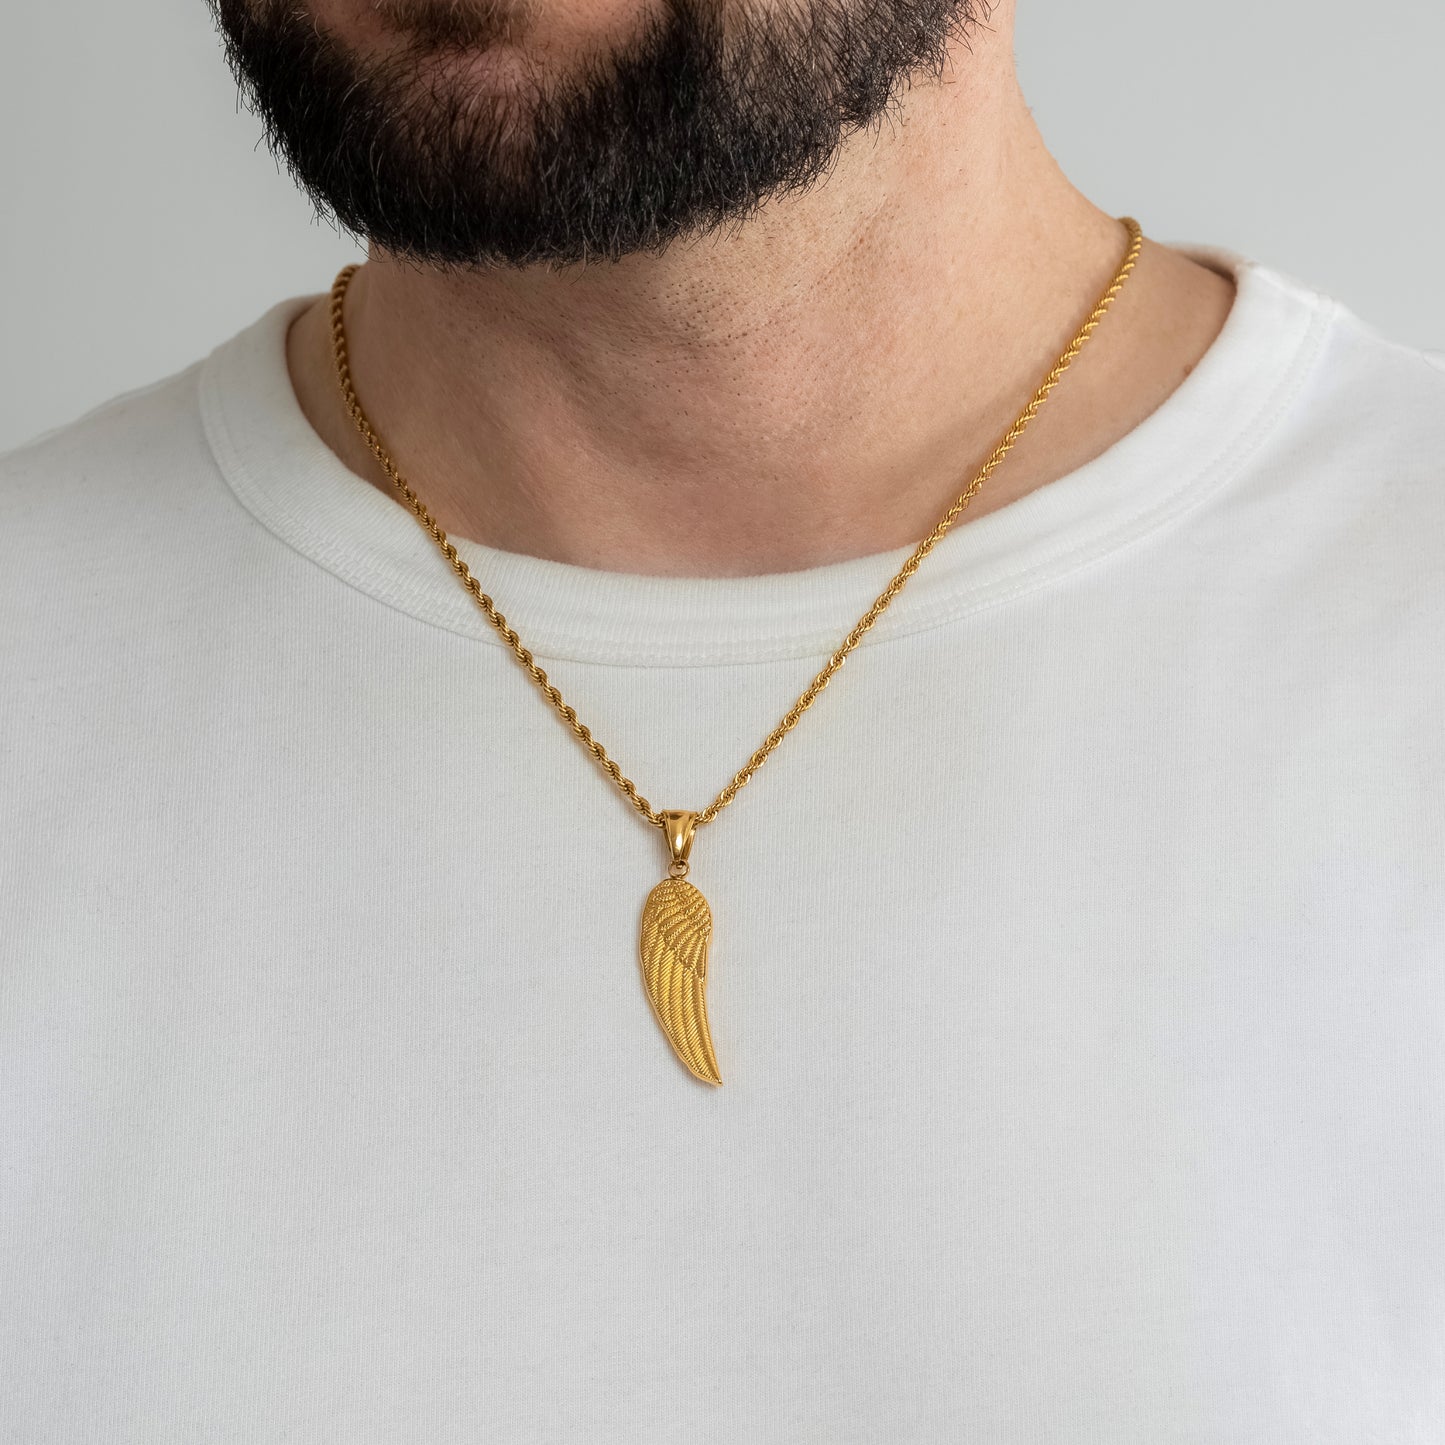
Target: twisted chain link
x,y
560,705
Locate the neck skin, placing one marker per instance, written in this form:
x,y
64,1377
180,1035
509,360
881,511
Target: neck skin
x,y
818,384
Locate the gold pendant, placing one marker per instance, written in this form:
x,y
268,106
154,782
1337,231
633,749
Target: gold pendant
x,y
676,931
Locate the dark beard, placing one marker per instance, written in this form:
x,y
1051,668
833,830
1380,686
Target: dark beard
x,y
674,134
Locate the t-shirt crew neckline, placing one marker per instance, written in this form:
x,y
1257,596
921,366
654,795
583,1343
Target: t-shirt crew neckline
x,y
293,484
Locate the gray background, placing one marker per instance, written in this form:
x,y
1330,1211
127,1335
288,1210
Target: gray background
x,y
141,222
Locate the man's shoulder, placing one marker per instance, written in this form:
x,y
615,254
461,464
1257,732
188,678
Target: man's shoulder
x,y
1367,383
110,472
1373,416
156,458
1357,433
145,415
1367,354
1340,503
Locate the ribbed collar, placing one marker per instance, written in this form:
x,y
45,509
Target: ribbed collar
x,y
292,483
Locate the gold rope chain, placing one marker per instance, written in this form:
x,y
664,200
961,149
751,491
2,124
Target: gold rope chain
x,y
564,709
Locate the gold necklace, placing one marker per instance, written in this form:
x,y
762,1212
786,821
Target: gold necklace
x,y
676,919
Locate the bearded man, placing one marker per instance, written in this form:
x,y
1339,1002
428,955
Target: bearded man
x,y
426,1020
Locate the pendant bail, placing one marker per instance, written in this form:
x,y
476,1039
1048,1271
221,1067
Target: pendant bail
x,y
677,826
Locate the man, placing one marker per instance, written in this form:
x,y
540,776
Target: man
x,y
1073,968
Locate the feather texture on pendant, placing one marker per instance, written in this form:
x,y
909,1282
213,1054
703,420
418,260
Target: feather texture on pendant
x,y
676,931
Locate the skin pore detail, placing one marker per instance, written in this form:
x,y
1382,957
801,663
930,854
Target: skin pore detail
x,y
809,376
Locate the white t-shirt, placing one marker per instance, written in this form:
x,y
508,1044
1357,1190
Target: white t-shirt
x,y
1078,980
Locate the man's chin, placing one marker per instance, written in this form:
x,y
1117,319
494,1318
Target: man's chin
x,y
500,69
489,146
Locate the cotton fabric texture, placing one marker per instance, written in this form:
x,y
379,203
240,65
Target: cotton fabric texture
x,y
1078,980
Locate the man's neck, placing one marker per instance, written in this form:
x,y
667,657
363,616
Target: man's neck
x,y
816,384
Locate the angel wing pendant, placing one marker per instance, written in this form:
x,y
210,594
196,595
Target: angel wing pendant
x,y
676,932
